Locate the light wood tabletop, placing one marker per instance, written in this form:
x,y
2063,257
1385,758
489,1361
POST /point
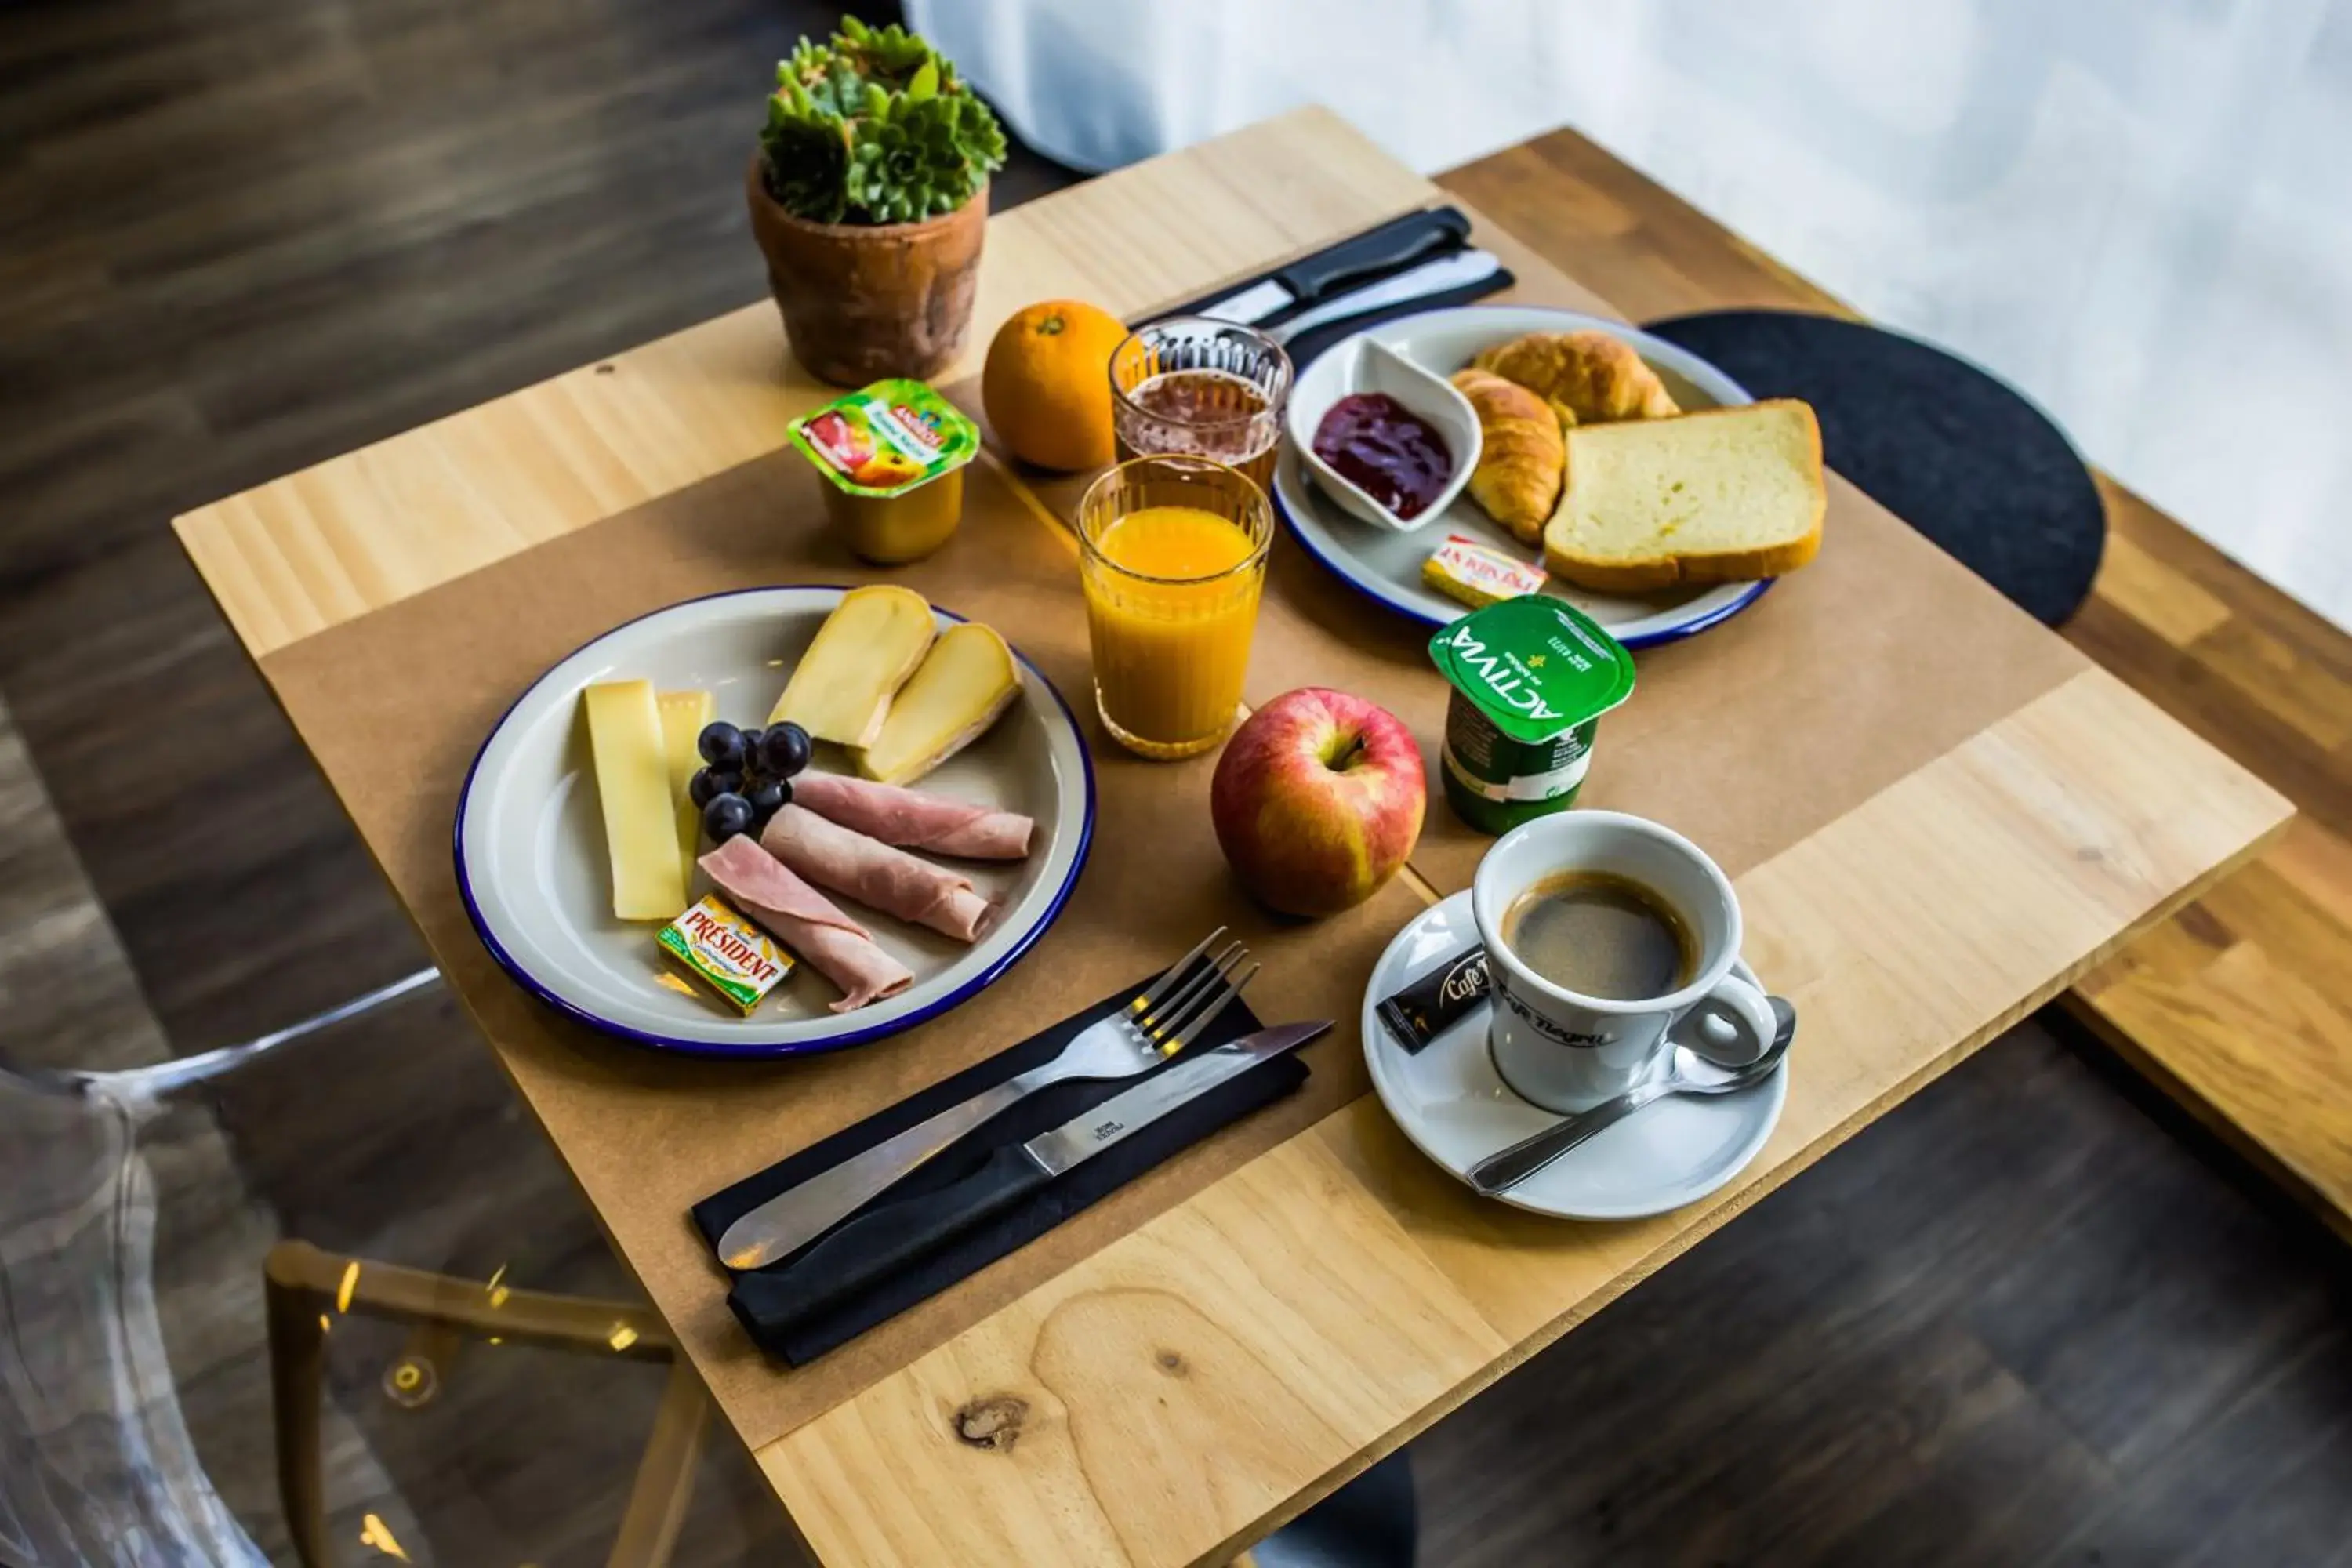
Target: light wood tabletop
x,y
1936,813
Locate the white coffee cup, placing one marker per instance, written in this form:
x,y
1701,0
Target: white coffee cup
x,y
1566,1051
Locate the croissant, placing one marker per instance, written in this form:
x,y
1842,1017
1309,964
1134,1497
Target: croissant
x,y
1598,375
1521,459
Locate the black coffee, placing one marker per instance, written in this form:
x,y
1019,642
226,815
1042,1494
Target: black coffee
x,y
1601,934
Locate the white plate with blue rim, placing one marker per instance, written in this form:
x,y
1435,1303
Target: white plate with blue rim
x,y
536,879
1384,564
1455,1108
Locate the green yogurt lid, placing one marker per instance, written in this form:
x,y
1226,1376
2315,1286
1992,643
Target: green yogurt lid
x,y
887,438
1536,665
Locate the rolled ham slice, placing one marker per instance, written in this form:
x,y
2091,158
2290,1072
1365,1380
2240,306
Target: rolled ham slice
x,y
876,875
807,921
913,820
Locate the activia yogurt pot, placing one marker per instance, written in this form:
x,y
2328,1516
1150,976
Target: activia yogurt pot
x,y
894,453
1532,678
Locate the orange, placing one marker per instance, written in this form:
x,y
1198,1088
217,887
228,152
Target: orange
x,y
1047,386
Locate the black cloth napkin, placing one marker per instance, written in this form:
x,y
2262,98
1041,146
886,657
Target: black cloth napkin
x,y
1309,346
757,1297
1459,242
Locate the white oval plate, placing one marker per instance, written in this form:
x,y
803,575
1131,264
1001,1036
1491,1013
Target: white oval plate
x,y
1457,1111
532,868
1385,565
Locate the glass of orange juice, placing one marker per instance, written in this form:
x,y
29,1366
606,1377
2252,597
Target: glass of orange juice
x,y
1172,556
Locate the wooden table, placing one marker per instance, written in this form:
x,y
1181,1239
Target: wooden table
x,y
1936,813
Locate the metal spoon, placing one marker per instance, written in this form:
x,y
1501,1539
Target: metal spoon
x,y
1690,1073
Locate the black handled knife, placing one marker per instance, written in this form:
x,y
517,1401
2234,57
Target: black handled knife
x,y
881,1241
1416,237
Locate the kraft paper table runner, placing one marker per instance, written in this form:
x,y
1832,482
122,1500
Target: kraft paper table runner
x,y
1842,680
394,704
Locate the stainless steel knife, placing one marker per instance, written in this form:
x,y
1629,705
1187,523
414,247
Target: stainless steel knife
x,y
885,1239
1443,275
1315,278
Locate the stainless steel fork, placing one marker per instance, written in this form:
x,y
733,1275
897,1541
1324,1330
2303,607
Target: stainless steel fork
x,y
1161,1020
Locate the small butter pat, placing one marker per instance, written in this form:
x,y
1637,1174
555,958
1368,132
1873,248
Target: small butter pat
x,y
727,952
1478,575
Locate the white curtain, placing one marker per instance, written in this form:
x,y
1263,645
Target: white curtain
x,y
2139,211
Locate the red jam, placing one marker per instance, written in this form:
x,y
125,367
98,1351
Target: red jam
x,y
1385,450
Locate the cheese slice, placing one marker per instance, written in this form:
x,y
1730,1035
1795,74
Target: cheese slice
x,y
965,682
862,655
683,715
625,738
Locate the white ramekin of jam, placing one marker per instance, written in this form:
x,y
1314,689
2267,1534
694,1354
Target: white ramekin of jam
x,y
1396,446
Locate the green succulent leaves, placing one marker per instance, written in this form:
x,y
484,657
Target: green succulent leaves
x,y
874,128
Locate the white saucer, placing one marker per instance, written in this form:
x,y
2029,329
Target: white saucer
x,y
1455,1108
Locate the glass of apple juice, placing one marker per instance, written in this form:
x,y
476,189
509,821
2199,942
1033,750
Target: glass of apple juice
x,y
1214,389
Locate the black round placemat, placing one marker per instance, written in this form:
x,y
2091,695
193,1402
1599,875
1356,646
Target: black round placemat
x,y
1960,455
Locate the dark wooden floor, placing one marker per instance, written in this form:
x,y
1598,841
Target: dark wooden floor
x,y
2027,1318
240,236
2017,1322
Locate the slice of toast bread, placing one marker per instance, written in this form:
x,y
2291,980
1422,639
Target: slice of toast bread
x,y
1720,496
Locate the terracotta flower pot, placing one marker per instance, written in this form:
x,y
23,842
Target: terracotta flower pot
x,y
862,301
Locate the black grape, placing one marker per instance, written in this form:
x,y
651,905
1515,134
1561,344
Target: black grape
x,y
784,749
721,744
726,815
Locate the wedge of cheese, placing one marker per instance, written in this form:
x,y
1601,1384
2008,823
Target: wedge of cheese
x,y
965,682
683,715
625,739
866,648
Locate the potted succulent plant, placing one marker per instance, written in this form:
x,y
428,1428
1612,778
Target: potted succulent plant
x,y
869,198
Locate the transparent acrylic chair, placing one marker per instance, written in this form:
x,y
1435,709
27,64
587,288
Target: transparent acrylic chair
x,y
96,1465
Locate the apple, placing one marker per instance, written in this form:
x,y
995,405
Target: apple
x,y
1317,800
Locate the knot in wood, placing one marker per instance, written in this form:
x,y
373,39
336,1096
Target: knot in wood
x,y
991,1422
